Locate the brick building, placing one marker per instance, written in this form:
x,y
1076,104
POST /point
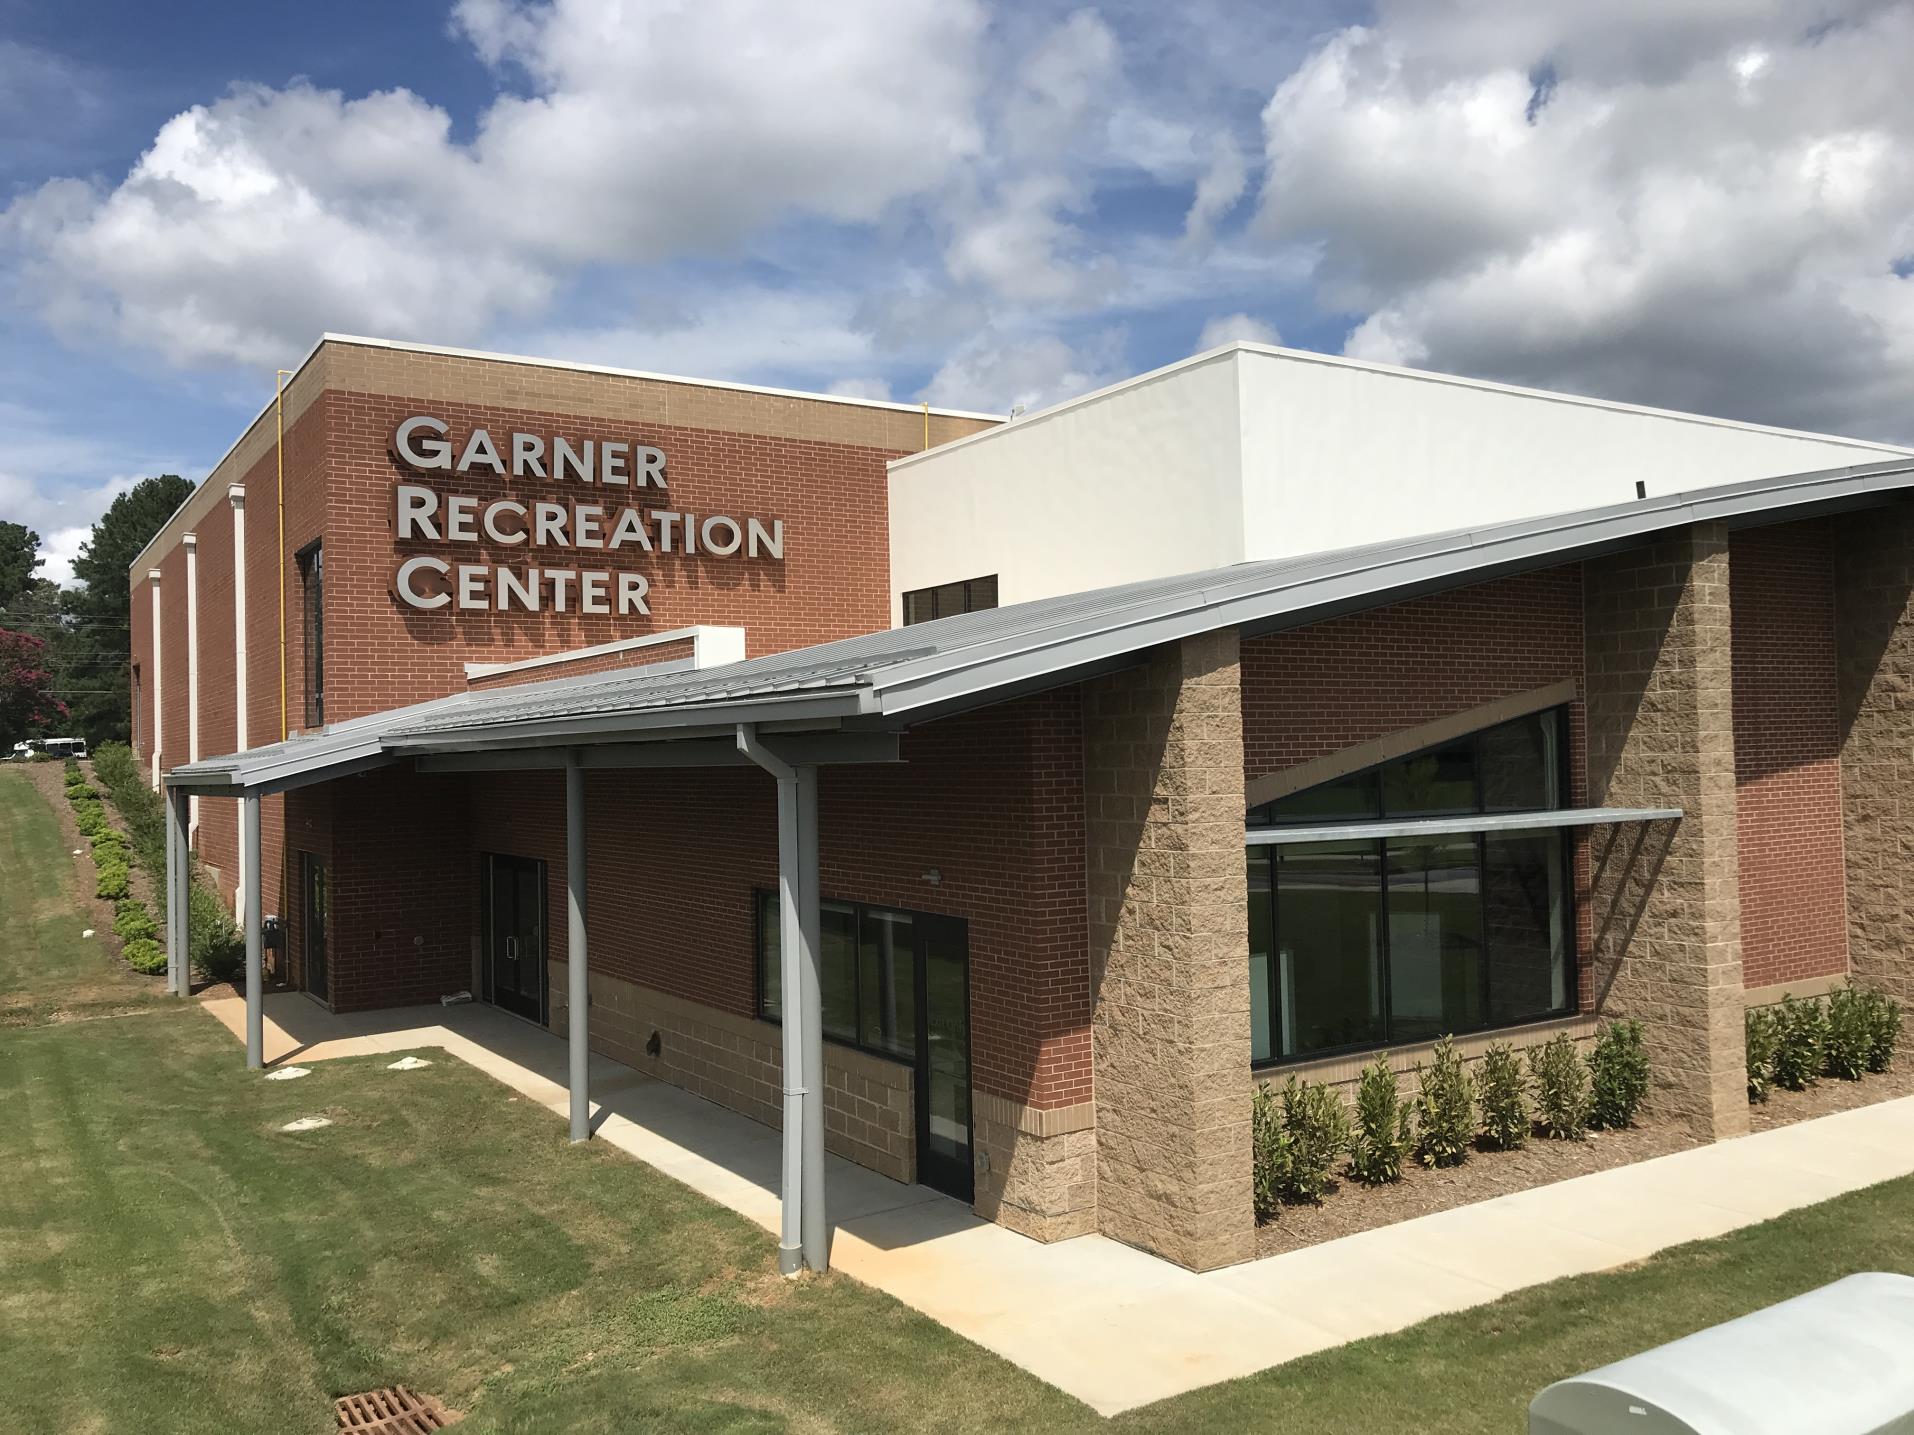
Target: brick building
x,y
579,660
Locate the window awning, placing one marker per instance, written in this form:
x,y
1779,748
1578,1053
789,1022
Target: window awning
x,y
1466,823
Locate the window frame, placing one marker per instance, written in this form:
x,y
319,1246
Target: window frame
x,y
311,561
1572,956
970,604
760,908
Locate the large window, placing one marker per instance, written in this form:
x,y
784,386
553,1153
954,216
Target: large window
x,y
971,595
312,588
1376,941
868,970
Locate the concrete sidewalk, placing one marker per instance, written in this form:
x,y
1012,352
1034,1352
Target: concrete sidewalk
x,y
1108,1324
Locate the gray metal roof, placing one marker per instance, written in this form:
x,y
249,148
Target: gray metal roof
x,y
907,675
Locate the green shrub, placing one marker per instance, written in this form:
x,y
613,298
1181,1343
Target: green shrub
x,y
1561,1088
140,808
1270,1158
214,939
1763,1040
1382,1126
1298,1135
1445,1108
76,790
110,843
1617,1075
112,883
90,818
1883,1028
143,954
131,920
73,769
1505,1100
1801,1051
1849,1035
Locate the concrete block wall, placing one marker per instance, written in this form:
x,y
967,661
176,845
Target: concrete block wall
x,y
1665,899
1874,602
738,1062
1169,946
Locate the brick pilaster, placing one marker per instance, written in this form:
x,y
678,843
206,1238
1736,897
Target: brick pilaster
x,y
1665,899
1169,948
1874,638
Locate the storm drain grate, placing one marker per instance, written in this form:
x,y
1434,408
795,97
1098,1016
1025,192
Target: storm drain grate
x,y
394,1410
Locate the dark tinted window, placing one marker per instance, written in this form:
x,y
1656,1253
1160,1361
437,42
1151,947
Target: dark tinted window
x,y
971,595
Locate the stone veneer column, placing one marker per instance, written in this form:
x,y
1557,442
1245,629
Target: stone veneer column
x,y
1874,644
1169,953
1665,899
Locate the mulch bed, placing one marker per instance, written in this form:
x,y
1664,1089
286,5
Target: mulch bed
x,y
1831,1094
1352,1207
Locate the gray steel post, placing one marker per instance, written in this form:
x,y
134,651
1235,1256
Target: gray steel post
x,y
577,955
170,894
255,974
179,904
816,1227
791,991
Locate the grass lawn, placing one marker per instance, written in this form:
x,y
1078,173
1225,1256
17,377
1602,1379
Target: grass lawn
x,y
170,1261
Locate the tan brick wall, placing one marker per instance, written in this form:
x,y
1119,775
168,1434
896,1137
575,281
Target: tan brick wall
x,y
1664,898
1036,1167
869,1111
1874,626
1169,946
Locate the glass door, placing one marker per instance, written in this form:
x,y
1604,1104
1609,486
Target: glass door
x,y
317,904
943,1056
514,906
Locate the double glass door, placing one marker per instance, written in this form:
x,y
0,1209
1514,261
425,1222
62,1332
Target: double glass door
x,y
316,892
943,1057
514,947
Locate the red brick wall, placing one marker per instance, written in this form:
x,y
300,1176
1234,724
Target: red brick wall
x,y
1787,754
992,802
833,582
1314,691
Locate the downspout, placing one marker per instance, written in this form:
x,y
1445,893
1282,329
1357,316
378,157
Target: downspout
x,y
791,1206
279,405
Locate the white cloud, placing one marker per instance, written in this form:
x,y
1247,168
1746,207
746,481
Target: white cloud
x,y
1228,328
1218,189
1679,201
63,518
866,388
996,372
256,221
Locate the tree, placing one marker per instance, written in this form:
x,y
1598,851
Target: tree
x,y
123,530
95,645
27,705
19,556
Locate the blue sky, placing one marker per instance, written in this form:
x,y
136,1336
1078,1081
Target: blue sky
x,y
1699,203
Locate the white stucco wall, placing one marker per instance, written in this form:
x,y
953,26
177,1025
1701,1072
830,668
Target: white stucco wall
x,y
1254,452
1337,454
1141,481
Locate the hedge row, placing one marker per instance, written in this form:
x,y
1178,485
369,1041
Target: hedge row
x,y
1299,1133
1793,1045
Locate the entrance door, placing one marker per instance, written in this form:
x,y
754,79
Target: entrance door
x,y
943,1056
515,935
316,909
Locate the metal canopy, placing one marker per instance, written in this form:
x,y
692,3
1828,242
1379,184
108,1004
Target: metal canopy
x,y
898,677
1468,823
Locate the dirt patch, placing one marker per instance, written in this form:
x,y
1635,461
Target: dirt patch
x,y
1352,1207
1831,1094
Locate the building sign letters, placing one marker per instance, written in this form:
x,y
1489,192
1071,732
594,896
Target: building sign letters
x,y
611,515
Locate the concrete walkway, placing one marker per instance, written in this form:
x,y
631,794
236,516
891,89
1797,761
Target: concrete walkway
x,y
1108,1324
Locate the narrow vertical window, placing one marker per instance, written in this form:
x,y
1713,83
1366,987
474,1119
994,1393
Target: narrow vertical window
x,y
312,581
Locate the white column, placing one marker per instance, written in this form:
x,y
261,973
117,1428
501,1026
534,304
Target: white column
x,y
159,707
577,956
237,493
255,972
190,542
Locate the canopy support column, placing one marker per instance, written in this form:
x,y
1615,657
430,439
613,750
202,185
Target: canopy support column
x,y
804,1238
577,956
255,973
179,979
